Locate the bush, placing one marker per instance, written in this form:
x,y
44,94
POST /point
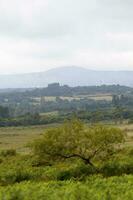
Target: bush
x,y
117,168
111,169
74,140
1,160
14,176
76,171
8,152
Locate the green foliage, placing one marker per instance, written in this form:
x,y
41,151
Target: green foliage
x,y
95,188
75,140
19,169
71,151
22,107
8,152
4,112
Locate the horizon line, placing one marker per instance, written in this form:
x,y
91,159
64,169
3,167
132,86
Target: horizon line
x,y
55,68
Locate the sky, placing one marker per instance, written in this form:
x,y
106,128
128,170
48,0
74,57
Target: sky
x,y
38,35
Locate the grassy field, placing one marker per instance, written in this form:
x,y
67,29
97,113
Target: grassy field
x,y
97,97
20,179
18,137
54,113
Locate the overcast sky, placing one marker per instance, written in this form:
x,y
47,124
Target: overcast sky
x,y
37,35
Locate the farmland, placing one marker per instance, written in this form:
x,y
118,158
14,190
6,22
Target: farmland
x,y
56,103
97,97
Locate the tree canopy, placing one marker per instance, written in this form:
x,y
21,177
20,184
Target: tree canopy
x,y
73,139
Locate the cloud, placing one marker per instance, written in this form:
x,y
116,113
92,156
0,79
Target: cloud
x,y
105,60
41,34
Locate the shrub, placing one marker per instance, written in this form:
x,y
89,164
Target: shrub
x,y
117,168
14,175
111,169
8,152
74,140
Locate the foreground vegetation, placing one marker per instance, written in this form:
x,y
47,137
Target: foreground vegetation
x,y
70,161
94,188
75,160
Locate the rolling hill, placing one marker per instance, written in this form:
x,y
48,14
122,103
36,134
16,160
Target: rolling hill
x,y
73,76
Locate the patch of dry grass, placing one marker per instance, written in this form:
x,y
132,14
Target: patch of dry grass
x,y
18,137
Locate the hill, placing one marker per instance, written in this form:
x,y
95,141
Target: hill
x,y
73,76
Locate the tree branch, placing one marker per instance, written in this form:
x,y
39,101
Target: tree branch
x,y
86,160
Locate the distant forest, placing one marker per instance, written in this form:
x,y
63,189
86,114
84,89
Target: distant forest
x,y
56,103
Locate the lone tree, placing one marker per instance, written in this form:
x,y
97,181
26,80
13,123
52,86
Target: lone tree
x,y
75,140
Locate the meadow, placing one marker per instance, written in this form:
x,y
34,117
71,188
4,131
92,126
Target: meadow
x,y
23,178
18,137
96,97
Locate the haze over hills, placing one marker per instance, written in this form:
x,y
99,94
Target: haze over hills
x,y
72,76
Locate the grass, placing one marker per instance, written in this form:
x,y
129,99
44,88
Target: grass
x,y
95,188
54,113
97,97
21,180
45,98
128,129
18,137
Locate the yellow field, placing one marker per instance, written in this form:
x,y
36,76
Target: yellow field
x,y
97,97
54,113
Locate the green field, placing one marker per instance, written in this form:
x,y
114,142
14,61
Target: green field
x,y
22,179
54,113
97,97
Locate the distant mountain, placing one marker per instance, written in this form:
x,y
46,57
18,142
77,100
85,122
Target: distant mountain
x,y
73,76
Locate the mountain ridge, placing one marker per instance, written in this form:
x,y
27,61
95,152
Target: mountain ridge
x,y
72,75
